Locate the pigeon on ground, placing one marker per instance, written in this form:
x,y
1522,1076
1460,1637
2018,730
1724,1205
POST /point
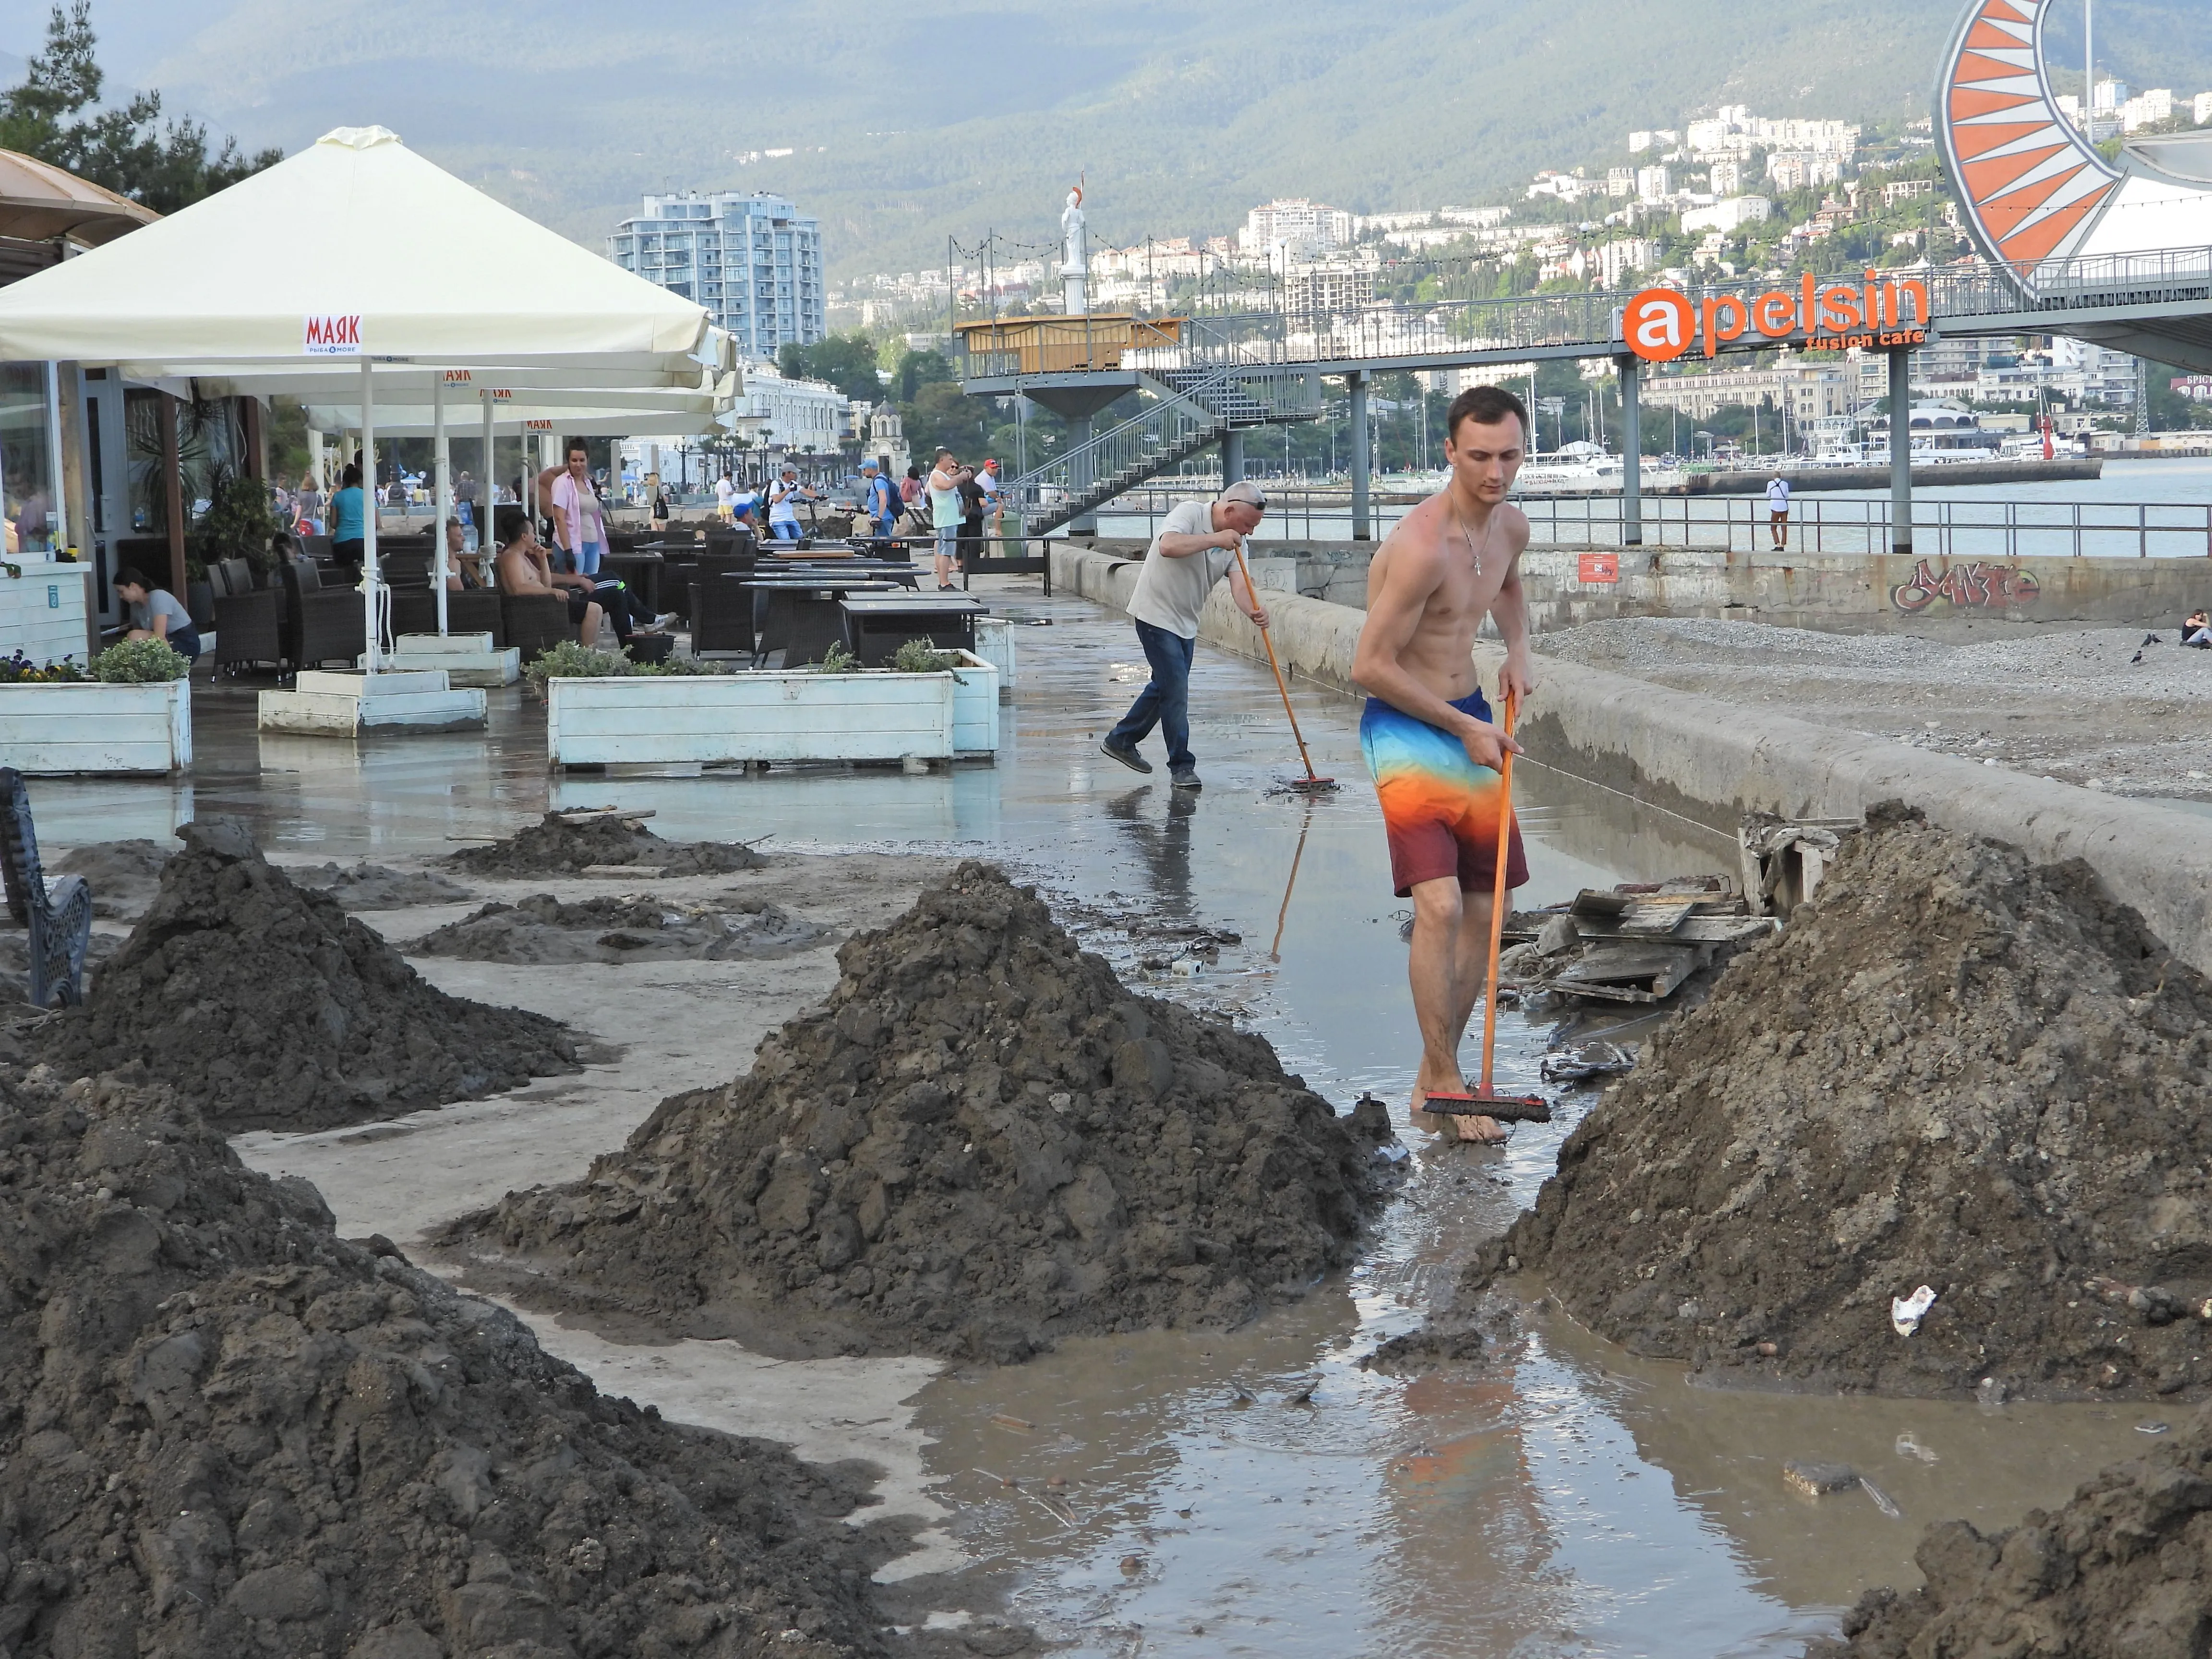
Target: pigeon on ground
x,y
2136,658
2152,639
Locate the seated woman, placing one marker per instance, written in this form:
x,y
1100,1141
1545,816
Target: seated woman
x,y
155,614
349,522
460,564
522,569
2197,631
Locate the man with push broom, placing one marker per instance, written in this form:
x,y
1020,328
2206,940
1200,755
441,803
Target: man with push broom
x,y
1442,765
1199,544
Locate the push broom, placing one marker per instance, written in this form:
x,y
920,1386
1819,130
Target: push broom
x,y
1312,783
1485,1101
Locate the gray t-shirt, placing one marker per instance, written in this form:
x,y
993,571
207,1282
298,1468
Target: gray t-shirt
x,y
160,602
1171,593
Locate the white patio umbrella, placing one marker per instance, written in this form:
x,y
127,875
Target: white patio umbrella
x,y
418,272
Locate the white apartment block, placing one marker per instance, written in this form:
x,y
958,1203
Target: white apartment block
x,y
1654,183
1803,170
1294,227
1726,176
1616,260
1310,290
1733,130
2201,110
1729,215
2145,108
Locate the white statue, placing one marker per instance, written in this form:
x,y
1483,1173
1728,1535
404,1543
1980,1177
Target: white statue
x,y
1070,227
1075,273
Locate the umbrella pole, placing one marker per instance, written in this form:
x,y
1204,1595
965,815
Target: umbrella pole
x,y
444,498
372,580
487,492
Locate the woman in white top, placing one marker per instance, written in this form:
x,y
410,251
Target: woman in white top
x,y
944,513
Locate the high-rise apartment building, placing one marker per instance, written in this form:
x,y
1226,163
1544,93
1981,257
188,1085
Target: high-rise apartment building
x,y
751,260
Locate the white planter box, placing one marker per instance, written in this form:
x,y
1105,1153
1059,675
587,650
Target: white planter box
x,y
51,729
771,715
974,706
344,705
995,644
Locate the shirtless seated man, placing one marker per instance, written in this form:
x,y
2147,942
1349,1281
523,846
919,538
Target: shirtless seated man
x,y
523,567
1427,731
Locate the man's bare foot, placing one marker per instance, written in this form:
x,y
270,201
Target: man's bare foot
x,y
1471,1128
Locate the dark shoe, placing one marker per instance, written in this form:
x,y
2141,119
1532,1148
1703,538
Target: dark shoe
x,y
1128,757
1185,776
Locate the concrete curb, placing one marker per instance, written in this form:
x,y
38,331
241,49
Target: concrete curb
x,y
1710,763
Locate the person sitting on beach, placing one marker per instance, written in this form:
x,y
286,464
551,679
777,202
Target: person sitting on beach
x,y
523,567
155,614
2197,630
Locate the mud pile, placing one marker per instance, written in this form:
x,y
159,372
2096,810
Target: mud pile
x,y
2117,1573
124,875
1956,1069
265,1005
379,886
542,929
557,847
980,1143
223,1431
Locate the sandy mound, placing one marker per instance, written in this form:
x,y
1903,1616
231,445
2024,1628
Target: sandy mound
x,y
124,875
265,1005
980,1143
554,846
2118,1573
377,886
225,1431
1956,1069
542,929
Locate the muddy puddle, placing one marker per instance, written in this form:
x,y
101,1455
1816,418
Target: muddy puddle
x,y
1557,1499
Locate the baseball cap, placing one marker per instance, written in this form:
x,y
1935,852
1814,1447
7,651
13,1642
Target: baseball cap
x,y
868,466
1249,493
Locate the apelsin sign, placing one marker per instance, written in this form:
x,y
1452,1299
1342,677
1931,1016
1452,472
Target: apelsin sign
x,y
1661,325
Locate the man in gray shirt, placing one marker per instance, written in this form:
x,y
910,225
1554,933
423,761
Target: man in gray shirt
x,y
1197,546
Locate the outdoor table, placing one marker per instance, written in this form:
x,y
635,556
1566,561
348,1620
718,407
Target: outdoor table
x,y
799,614
875,626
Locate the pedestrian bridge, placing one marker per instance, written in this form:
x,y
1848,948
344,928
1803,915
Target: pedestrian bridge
x,y
1242,354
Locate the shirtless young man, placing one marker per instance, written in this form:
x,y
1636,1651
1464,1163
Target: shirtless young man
x,y
1427,733
523,567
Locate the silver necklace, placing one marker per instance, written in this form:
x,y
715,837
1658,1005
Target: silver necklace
x,y
1467,536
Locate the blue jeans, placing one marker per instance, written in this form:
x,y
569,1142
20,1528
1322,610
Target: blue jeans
x,y
784,530
587,558
1165,701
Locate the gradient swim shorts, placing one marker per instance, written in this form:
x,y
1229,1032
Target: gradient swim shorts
x,y
1439,808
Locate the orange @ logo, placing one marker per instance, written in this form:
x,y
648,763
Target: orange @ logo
x,y
1660,325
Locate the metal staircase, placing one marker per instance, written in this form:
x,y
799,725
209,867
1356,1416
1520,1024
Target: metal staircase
x,y
1186,409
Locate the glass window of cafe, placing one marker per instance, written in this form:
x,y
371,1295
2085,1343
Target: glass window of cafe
x,y
27,459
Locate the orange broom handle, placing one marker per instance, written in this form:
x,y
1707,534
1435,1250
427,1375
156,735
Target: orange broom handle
x,y
1498,888
1253,593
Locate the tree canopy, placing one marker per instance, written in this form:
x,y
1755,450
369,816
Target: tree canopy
x,y
846,361
54,115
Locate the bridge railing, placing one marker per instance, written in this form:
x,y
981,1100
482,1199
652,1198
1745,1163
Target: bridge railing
x,y
1952,528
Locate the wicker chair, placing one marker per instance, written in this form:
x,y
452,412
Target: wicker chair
x,y
321,624
248,620
535,621
468,610
721,618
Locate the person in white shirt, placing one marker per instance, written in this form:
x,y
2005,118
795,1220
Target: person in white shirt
x,y
1197,547
1777,512
946,478
783,498
725,498
994,507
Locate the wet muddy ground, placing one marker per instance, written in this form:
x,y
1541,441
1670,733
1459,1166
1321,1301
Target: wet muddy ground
x,y
1558,1497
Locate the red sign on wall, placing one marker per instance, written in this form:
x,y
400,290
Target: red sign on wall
x,y
1597,568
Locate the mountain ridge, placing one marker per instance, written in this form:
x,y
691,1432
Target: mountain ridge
x,y
907,129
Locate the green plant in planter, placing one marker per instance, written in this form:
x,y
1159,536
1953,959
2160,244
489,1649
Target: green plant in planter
x,y
920,657
141,662
837,660
569,660
238,524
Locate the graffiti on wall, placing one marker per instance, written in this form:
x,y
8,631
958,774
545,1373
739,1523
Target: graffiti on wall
x,y
1976,584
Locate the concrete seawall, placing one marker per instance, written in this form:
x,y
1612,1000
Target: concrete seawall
x,y
1711,762
1794,590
